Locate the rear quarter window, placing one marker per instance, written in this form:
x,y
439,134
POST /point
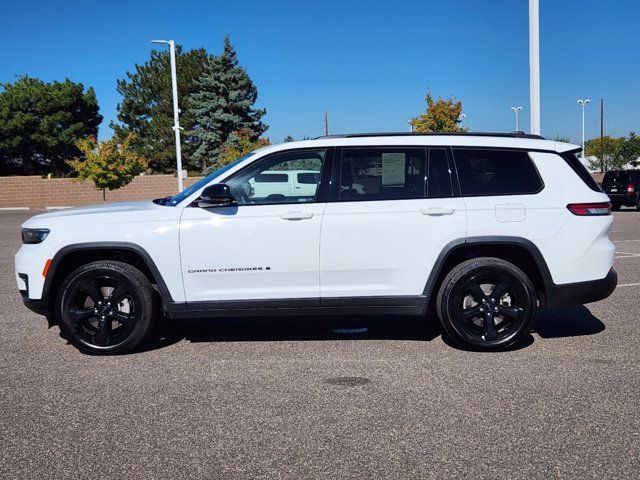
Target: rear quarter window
x,y
496,172
576,165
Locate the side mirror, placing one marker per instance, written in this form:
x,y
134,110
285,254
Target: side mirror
x,y
216,195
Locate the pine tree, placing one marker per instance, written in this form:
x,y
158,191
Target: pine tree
x,y
223,104
146,109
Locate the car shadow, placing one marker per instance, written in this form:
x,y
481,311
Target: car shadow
x,y
568,322
298,328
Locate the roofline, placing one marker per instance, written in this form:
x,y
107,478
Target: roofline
x,y
436,134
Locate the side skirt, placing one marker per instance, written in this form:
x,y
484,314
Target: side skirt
x,y
398,305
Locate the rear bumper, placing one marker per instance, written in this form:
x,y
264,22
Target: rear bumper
x,y
572,294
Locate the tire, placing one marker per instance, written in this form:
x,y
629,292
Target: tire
x,y
475,319
615,206
105,307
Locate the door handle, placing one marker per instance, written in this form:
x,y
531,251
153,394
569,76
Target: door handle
x,y
296,215
437,211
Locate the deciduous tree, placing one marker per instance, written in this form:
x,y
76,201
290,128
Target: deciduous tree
x,y
630,149
109,164
238,144
441,116
606,152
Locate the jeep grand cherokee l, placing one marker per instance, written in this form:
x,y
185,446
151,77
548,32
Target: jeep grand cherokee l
x,y
481,228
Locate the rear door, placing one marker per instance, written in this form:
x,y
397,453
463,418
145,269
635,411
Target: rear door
x,y
392,211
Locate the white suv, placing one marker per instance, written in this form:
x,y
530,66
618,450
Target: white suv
x,y
481,228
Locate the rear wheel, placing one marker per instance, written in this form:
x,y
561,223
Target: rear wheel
x,y
486,304
616,206
105,307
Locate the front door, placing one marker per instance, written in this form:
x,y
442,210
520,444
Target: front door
x,y
264,247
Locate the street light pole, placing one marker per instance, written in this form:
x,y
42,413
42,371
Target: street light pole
x,y
176,110
516,110
583,103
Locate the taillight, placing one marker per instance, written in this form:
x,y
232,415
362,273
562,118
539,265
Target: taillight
x,y
590,209
631,188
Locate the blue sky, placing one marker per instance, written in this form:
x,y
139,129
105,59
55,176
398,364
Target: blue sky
x,y
368,63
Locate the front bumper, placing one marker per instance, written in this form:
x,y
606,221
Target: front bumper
x,y
40,305
572,294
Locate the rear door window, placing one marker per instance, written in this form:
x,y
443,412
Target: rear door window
x,y
393,173
496,172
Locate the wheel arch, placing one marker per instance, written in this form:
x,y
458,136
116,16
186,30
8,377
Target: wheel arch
x,y
522,252
71,257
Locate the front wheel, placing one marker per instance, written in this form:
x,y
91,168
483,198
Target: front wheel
x,y
105,307
486,304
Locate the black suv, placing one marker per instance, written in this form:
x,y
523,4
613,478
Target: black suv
x,y
623,188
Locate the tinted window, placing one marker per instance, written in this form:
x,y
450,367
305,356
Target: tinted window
x,y
619,179
382,174
269,177
574,162
438,176
267,180
309,178
496,172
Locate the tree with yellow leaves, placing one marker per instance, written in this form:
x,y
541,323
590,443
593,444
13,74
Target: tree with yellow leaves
x,y
441,116
109,164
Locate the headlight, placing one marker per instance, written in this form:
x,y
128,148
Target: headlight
x,y
34,235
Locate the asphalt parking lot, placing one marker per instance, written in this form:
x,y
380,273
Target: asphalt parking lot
x,y
323,398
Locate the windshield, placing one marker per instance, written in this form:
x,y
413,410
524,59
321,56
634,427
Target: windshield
x,y
176,199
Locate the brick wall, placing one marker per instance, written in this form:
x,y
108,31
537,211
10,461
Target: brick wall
x,y
36,192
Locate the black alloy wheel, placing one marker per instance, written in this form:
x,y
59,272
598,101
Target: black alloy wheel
x,y
486,304
106,307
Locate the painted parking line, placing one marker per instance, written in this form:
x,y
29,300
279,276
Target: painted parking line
x,y
624,241
627,255
629,285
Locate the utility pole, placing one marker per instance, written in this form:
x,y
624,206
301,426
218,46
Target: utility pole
x,y
176,111
326,122
534,65
602,134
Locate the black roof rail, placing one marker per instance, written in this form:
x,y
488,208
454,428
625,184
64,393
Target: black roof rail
x,y
416,134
